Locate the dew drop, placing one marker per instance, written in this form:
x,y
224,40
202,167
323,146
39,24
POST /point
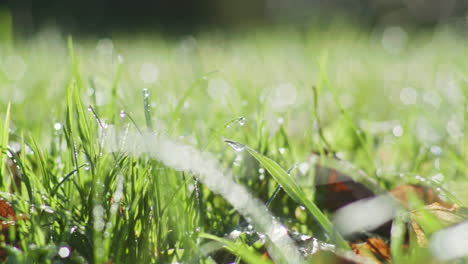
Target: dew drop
x,y
90,108
436,150
397,131
238,160
57,126
146,93
238,147
64,252
122,114
304,167
439,177
241,121
120,59
261,170
281,150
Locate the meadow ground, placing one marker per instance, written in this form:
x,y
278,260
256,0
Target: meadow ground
x,y
150,149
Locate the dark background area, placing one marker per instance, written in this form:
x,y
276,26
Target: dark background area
x,y
182,16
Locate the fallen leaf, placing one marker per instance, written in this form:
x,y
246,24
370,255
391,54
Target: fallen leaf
x,y
7,220
375,249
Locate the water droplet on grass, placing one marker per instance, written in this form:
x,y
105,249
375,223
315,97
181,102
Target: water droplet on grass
x,y
64,252
235,145
57,126
439,177
122,114
397,131
304,167
146,93
120,59
436,150
241,121
281,150
238,160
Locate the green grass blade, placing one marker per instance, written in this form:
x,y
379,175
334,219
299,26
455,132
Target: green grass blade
x,y
296,193
4,143
238,249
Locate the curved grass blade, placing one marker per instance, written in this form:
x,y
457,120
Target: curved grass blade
x,y
219,131
296,193
247,255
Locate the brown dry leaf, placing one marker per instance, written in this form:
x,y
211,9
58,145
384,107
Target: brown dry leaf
x,y
7,219
446,215
427,195
374,249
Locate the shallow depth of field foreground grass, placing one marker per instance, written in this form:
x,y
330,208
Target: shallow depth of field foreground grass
x,y
165,150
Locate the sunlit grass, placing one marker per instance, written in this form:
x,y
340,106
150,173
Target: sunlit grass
x,y
98,179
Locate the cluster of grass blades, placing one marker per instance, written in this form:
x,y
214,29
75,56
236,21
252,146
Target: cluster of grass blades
x,y
79,201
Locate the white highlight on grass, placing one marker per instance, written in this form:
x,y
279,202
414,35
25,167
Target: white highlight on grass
x,y
304,168
408,96
149,73
454,128
432,98
207,168
14,67
394,39
282,97
219,90
397,131
58,126
450,243
105,47
64,252
365,215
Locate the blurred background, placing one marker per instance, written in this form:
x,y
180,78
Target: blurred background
x,y
185,16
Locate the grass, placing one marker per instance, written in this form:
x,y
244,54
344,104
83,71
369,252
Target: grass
x,y
71,107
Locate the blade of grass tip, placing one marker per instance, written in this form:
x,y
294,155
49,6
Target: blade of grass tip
x,y
296,193
4,143
69,125
25,176
115,83
219,131
74,63
147,109
238,249
319,124
41,161
129,116
326,83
